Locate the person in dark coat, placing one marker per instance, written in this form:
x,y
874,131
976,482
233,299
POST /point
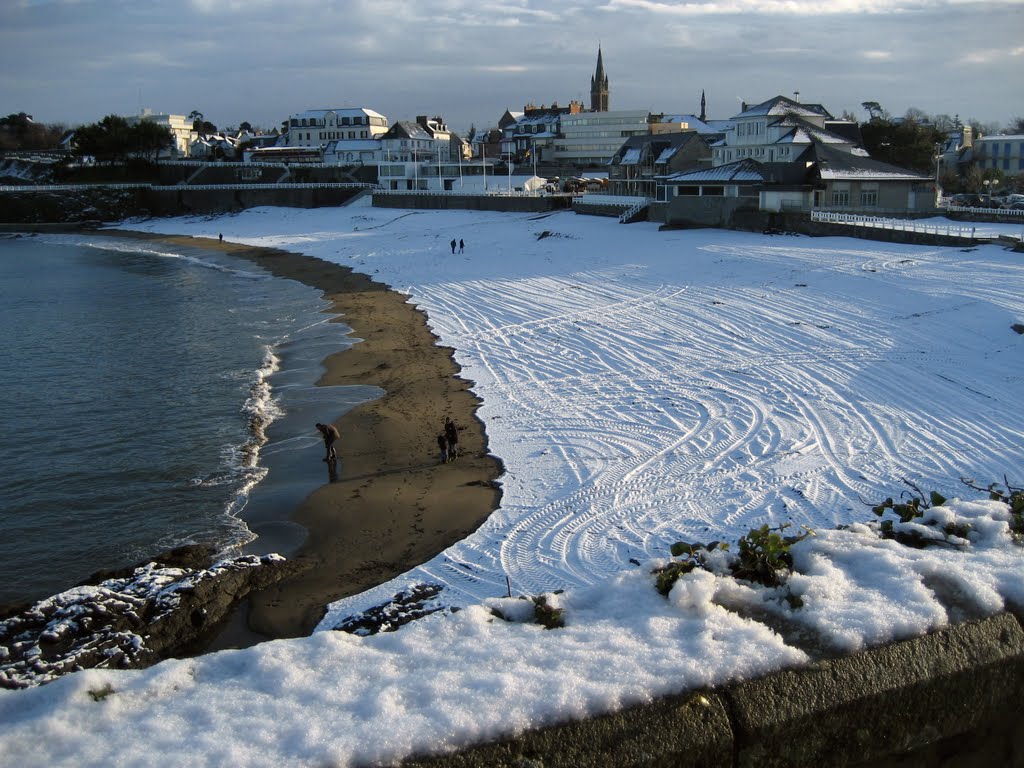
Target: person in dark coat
x,y
462,246
442,443
330,434
451,433
453,245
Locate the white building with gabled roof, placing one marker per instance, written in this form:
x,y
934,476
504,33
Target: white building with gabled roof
x,y
319,127
781,130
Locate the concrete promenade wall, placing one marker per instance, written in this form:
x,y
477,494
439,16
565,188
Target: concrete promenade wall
x,y
164,201
951,698
737,213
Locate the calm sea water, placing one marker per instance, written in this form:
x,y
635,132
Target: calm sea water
x,y
154,396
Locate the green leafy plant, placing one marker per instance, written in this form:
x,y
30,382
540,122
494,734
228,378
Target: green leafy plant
x,y
546,614
764,554
1010,495
913,509
691,556
99,694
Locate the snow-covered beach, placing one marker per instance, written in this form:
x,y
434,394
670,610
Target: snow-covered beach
x,y
641,388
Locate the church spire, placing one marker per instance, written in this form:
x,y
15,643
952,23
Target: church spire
x,y
703,108
599,86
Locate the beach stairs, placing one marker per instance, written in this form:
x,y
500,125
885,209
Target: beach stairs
x,y
626,208
364,195
635,212
199,172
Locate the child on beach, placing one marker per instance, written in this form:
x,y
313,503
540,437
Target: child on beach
x,y
442,443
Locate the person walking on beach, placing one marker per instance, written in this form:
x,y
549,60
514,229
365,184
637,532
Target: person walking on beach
x,y
330,433
442,443
462,245
453,245
451,433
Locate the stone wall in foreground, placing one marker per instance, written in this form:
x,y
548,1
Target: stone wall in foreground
x,y
944,699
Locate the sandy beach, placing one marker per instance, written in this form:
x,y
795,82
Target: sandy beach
x,y
393,505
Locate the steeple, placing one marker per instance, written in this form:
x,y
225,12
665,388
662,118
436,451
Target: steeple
x,y
599,87
703,108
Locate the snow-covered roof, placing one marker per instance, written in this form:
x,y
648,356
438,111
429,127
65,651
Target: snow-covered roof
x,y
745,171
694,123
667,154
408,129
353,145
631,156
836,165
804,132
319,114
780,105
1011,137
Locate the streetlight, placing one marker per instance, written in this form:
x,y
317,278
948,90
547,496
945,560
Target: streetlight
x,y
990,188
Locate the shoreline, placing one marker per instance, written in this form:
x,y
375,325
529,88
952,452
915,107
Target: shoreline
x,y
394,506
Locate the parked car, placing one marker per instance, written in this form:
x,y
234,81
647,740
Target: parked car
x,y
968,200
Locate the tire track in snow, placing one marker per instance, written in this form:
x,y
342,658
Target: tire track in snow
x,y
638,410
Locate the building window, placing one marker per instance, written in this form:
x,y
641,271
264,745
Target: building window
x,y
869,198
1006,163
840,198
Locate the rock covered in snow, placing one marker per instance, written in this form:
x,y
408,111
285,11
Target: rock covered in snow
x,y
131,618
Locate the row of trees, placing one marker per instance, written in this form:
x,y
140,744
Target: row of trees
x,y
113,139
912,142
20,131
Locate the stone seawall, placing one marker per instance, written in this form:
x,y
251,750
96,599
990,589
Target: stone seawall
x,y
116,203
508,204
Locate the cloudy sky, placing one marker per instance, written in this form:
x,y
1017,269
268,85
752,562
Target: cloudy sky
x,y
74,61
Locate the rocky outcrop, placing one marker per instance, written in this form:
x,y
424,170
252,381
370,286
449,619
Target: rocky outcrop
x,y
130,618
74,204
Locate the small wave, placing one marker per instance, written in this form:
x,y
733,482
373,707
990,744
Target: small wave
x,y
147,248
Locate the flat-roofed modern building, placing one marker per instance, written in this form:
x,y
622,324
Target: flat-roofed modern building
x,y
592,138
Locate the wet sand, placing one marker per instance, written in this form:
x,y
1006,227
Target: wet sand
x,y
393,506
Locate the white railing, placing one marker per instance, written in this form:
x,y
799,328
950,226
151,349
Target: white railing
x,y
1019,212
502,192
67,187
238,185
286,185
902,225
623,201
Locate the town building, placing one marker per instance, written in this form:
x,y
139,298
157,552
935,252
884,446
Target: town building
x,y
782,155
532,136
1000,153
318,127
779,130
591,138
634,169
179,126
